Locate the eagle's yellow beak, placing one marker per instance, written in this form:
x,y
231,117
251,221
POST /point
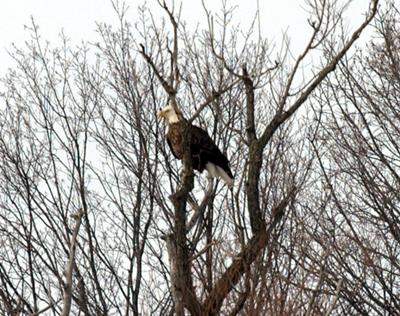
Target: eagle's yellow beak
x,y
161,113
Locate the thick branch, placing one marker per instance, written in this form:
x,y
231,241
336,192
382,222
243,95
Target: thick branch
x,y
70,266
182,286
281,117
243,260
250,121
181,277
175,76
255,156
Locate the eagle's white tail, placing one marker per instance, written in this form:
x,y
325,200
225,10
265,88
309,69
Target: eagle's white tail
x,y
215,171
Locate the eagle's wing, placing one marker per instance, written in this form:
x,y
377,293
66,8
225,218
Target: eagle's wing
x,y
203,147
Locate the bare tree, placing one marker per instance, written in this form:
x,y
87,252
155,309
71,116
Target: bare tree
x,y
256,71
78,131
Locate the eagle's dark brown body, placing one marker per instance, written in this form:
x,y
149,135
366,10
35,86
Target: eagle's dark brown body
x,y
204,152
203,149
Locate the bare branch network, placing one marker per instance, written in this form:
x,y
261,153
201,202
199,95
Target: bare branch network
x,y
98,217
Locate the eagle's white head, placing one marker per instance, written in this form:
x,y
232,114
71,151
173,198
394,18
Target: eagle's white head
x,y
169,113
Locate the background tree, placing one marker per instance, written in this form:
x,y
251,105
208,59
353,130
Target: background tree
x,y
358,150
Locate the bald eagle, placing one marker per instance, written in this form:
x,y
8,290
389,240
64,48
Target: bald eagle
x,y
204,153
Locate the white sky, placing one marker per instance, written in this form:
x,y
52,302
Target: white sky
x,y
78,17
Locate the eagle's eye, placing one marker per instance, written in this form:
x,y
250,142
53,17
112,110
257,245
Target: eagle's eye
x,y
160,109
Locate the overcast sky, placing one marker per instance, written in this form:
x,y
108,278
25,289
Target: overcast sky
x,y
78,18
